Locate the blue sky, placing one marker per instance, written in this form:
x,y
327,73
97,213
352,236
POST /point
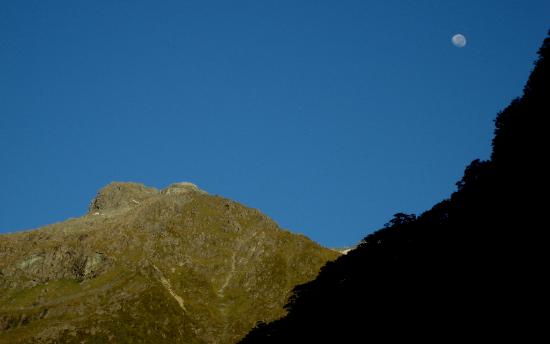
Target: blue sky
x,y
329,116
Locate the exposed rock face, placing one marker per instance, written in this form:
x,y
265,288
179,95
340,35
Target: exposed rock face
x,y
120,195
58,263
170,266
183,187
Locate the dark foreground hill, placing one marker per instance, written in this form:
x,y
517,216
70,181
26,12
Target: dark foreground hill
x,y
150,266
471,268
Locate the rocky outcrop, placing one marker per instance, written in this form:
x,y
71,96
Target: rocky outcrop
x,y
59,262
119,195
179,188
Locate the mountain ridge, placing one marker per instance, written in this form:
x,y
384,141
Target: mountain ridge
x,y
171,265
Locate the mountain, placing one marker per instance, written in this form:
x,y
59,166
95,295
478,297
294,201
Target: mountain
x,y
151,266
472,268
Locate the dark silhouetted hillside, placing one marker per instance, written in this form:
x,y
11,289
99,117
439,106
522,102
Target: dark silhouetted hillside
x,y
470,268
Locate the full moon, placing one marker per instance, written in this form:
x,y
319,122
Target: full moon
x,y
459,40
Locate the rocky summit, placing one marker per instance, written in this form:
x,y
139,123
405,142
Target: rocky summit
x,y
151,266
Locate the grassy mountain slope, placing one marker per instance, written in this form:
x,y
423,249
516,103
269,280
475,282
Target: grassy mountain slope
x,y
150,266
471,268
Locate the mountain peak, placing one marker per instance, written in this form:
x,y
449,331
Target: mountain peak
x,y
117,195
181,187
124,195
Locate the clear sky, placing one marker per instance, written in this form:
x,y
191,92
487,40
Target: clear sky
x,y
329,116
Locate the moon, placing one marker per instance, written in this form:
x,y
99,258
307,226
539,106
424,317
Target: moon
x,y
459,40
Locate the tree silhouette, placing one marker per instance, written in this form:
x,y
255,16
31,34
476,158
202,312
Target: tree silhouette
x,y
400,219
